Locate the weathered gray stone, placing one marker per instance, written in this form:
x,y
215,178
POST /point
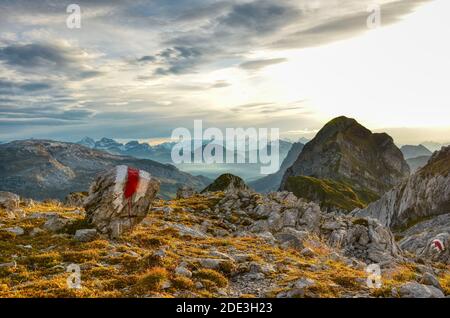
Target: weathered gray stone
x,y
56,223
430,279
183,271
16,230
85,235
108,209
416,290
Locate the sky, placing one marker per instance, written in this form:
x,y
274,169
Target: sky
x,y
139,69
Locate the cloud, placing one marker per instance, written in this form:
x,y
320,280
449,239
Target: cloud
x,y
55,58
259,64
343,26
154,51
259,16
174,60
14,88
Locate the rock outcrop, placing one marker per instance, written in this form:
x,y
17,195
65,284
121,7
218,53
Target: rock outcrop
x,y
344,151
119,199
424,195
290,221
226,182
421,239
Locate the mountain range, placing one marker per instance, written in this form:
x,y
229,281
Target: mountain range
x,y
272,182
162,153
43,169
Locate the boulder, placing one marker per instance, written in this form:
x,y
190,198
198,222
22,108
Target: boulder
x,y
9,201
431,280
56,223
183,271
85,235
416,290
421,239
16,230
119,199
185,192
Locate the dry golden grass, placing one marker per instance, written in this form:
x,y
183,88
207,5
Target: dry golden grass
x,y
128,267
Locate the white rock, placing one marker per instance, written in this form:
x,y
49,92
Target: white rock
x,y
17,230
183,271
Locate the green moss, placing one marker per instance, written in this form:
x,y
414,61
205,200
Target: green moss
x,y
330,193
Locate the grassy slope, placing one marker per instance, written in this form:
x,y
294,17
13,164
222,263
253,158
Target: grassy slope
x,y
129,268
330,193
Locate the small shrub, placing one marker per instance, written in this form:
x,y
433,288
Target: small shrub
x,y
212,275
154,278
182,283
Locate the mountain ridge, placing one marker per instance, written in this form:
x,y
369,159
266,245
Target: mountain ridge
x,y
52,169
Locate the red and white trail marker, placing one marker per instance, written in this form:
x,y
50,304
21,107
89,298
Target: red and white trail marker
x,y
437,245
130,185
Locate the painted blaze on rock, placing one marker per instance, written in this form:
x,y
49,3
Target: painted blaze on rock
x,y
119,199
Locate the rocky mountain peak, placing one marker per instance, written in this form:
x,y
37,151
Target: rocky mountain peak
x,y
411,151
347,152
87,141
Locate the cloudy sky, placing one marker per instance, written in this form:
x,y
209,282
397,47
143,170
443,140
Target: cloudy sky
x,y
138,69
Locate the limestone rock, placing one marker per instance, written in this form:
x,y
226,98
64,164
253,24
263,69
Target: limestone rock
x,y
183,271
108,209
431,280
291,220
16,230
425,194
185,192
419,238
56,223
85,235
416,290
